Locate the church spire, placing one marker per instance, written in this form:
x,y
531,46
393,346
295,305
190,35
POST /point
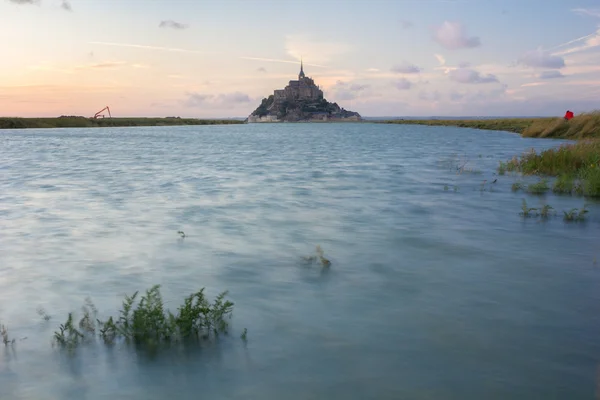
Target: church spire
x,y
301,74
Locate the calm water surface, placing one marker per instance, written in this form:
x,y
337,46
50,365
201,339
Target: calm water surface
x,y
432,293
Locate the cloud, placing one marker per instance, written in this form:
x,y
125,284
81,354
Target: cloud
x,y
405,24
403,84
261,69
541,59
227,100
372,69
65,5
434,96
102,65
282,61
533,84
406,69
589,41
550,75
467,75
314,49
172,24
347,91
146,47
453,36
592,12
25,1
440,59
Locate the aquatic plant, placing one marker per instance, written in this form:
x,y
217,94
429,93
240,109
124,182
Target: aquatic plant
x,y
517,186
318,256
42,313
181,234
4,333
540,187
575,214
546,211
577,167
526,211
148,323
564,184
244,335
502,168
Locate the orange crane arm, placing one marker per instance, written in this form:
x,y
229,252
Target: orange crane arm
x,y
98,113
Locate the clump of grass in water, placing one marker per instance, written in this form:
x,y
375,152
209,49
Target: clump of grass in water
x,y
4,333
319,256
148,323
502,168
579,161
526,211
540,187
42,313
565,183
575,214
517,186
546,211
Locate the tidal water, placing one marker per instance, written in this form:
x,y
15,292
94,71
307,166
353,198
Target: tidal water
x,y
438,289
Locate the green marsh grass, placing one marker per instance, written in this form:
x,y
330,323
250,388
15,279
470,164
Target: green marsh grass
x,y
584,125
577,167
148,323
527,211
74,121
575,214
540,187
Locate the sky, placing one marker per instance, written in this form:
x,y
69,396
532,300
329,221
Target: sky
x,y
215,59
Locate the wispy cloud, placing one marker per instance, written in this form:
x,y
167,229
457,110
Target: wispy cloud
x,y
24,1
550,75
282,61
533,84
194,99
453,35
146,47
541,59
592,12
102,65
403,84
261,69
172,24
584,43
66,5
467,75
405,24
406,68
314,49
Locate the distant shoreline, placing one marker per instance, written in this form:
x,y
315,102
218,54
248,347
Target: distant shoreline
x,y
83,122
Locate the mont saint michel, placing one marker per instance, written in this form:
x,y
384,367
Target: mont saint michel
x,y
300,101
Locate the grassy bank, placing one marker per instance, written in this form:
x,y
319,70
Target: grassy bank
x,y
576,167
83,122
585,125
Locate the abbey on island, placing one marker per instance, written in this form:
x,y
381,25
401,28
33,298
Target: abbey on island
x,y
300,101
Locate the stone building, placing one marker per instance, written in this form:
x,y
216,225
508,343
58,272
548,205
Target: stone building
x,y
302,89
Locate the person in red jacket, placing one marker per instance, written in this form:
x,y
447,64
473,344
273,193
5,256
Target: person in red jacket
x,y
568,115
